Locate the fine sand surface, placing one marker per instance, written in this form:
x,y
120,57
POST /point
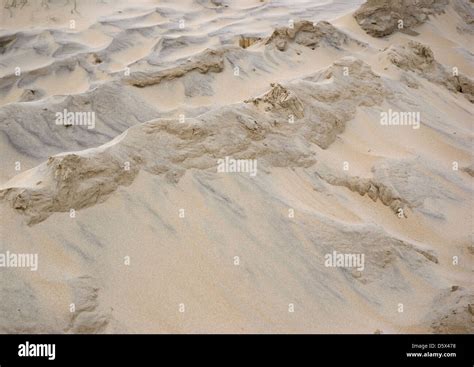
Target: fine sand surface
x,y
137,231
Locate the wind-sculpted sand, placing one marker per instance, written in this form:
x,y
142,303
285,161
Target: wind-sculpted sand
x,y
236,148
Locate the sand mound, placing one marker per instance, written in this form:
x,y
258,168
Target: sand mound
x,y
402,184
314,109
373,189
31,128
208,61
382,18
454,312
73,182
466,12
419,58
310,35
322,103
88,317
280,99
86,314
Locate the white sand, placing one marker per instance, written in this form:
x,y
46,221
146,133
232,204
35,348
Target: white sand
x,y
121,214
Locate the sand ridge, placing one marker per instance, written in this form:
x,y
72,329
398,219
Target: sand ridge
x,y
132,220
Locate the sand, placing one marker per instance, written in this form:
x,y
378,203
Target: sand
x,y
137,230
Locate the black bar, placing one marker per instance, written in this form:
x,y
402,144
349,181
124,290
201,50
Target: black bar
x,y
318,350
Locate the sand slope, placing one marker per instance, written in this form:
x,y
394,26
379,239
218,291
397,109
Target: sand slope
x,y
156,230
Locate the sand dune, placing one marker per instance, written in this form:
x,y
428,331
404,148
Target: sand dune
x,y
137,227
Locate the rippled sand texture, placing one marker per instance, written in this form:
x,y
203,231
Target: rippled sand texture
x,y
135,228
